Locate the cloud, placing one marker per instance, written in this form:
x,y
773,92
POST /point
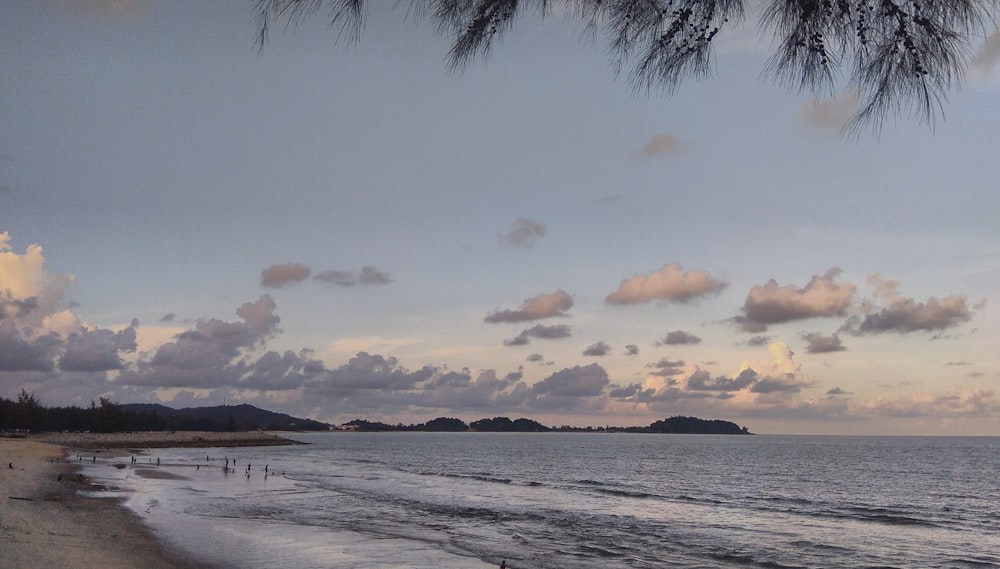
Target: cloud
x,y
211,354
540,331
837,391
769,382
833,113
663,145
553,332
276,372
519,340
667,368
524,233
894,313
961,402
989,53
368,372
820,344
631,391
20,353
37,326
701,380
577,381
168,317
773,304
535,308
459,390
369,275
678,337
535,357
372,276
280,276
631,350
759,341
260,316
598,349
98,350
340,278
669,283
33,296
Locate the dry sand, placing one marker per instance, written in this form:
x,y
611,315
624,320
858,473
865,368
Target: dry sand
x,y
45,522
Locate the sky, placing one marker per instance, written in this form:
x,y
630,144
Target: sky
x,y
354,231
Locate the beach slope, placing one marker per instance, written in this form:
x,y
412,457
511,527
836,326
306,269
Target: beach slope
x,y
46,522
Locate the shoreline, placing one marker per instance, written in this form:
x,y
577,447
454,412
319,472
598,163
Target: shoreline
x,y
162,439
46,520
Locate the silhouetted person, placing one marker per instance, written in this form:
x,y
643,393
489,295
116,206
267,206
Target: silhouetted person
x,y
157,461
10,465
503,564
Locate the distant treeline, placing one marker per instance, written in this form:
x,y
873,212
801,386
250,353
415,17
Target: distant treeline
x,y
675,425
105,416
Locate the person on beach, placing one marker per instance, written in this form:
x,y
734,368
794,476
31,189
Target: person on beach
x,y
503,564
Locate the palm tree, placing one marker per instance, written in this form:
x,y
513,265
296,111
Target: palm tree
x,y
899,55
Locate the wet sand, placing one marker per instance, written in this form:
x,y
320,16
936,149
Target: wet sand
x,y
45,522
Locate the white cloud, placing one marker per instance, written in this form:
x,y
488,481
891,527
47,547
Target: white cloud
x,y
774,304
280,276
33,296
670,283
895,313
535,308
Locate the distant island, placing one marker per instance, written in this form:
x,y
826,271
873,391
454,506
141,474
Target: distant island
x,y
27,413
673,425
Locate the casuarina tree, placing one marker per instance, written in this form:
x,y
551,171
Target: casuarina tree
x,y
900,56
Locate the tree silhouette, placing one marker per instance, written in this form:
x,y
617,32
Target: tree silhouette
x,y
899,55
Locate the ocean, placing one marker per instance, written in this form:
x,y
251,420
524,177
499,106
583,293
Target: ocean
x,y
573,500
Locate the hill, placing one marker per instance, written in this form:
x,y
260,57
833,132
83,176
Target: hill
x,y
694,426
242,417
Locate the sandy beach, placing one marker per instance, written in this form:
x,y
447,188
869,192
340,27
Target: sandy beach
x,y
46,522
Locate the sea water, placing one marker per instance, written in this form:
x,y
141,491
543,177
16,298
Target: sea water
x,y
574,500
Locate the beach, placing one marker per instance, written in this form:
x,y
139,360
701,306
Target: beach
x,y
46,521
